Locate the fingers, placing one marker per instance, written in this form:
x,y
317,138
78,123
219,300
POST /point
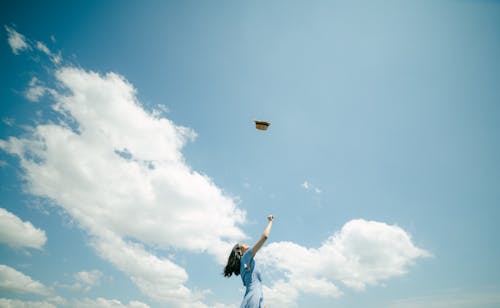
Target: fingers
x,y
270,217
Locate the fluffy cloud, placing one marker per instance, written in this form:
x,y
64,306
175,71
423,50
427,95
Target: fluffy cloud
x,y
15,303
362,253
160,279
35,90
84,281
16,40
17,233
91,278
106,303
80,303
119,172
12,281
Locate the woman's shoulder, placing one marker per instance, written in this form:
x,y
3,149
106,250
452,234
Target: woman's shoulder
x,y
246,259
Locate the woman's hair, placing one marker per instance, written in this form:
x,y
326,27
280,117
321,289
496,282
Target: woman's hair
x,y
233,262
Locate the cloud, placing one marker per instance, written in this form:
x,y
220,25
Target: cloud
x,y
8,121
43,48
305,185
308,186
16,40
19,42
78,303
362,253
12,281
84,281
15,303
160,279
119,172
35,90
16,233
91,278
106,303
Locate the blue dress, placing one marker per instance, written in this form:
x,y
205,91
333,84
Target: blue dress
x,y
252,281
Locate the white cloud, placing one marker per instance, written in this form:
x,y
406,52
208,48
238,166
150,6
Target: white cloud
x,y
308,186
122,176
160,279
84,281
106,303
35,91
43,48
16,40
219,305
281,294
16,233
305,184
91,278
12,281
78,303
15,303
362,253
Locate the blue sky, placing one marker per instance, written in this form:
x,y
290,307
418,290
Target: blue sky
x,y
129,163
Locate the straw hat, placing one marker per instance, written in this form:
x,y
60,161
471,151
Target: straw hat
x,y
262,125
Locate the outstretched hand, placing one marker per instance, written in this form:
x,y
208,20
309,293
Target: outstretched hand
x,y
270,218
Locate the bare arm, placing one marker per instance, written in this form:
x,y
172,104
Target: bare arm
x,y
264,235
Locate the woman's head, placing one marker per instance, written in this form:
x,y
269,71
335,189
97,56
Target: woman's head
x,y
233,262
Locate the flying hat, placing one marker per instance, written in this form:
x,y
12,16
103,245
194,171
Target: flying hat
x,y
261,125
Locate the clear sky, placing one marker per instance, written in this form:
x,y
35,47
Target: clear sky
x,y
129,163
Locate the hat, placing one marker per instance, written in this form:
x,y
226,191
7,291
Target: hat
x,y
261,125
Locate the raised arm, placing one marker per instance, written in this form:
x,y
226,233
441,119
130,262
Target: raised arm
x,y
264,235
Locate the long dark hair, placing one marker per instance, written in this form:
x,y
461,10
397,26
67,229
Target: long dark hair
x,y
233,262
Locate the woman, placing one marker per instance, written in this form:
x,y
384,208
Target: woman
x,y
241,261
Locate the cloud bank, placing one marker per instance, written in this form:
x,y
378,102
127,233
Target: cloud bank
x,y
17,233
362,253
119,172
12,281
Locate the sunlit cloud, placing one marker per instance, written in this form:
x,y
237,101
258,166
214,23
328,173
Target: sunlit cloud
x,y
105,303
106,173
17,41
362,253
16,303
17,233
83,281
14,282
75,303
56,58
35,90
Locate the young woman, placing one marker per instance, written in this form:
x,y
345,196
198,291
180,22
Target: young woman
x,y
241,261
